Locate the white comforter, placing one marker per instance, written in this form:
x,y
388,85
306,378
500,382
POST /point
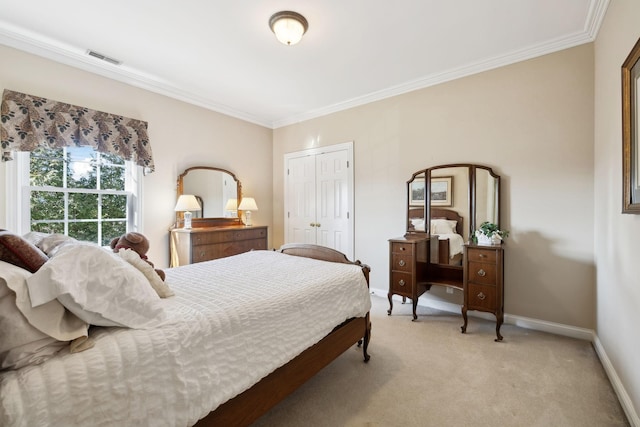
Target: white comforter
x,y
231,322
456,243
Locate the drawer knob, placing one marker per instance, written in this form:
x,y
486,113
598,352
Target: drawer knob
x,y
401,248
401,282
402,263
482,273
481,296
482,255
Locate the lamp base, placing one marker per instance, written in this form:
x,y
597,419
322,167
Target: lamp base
x,y
247,219
187,220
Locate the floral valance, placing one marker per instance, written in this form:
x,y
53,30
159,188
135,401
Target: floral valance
x,y
30,121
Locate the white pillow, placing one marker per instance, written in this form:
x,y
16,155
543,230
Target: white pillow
x,y
21,343
443,226
132,257
51,244
97,286
418,223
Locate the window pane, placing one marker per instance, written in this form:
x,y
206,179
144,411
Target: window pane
x,y
46,166
114,206
86,231
85,211
111,230
83,206
47,205
82,168
112,177
111,159
48,227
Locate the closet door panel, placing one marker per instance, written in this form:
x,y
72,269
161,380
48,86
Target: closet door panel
x,y
302,202
332,199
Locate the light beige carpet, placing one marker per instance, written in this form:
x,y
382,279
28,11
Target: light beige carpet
x,y
427,373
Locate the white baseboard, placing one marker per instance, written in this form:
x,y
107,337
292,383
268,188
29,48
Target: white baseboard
x,y
550,327
524,322
621,392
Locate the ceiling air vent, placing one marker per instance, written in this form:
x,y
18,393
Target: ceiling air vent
x,y
103,57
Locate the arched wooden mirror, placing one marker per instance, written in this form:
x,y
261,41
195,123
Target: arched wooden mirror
x,y
451,201
216,189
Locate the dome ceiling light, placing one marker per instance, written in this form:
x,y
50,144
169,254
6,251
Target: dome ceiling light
x,y
289,27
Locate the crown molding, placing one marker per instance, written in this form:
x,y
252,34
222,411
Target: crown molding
x,y
71,56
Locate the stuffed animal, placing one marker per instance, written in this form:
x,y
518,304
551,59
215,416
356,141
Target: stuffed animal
x,y
136,242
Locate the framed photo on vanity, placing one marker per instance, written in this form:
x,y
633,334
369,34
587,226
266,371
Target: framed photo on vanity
x,y
417,192
441,191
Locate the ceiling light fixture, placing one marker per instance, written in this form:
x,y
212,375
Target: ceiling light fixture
x,y
289,27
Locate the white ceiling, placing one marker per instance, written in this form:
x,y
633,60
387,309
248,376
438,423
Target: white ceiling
x,y
222,55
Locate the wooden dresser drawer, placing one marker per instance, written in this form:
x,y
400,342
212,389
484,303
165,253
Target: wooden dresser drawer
x,y
221,250
397,247
401,283
228,236
481,297
402,262
482,273
481,255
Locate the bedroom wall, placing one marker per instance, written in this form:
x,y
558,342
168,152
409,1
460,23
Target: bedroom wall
x,y
532,122
616,235
181,135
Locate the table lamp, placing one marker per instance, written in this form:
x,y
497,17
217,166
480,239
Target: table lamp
x,y
232,207
247,205
187,203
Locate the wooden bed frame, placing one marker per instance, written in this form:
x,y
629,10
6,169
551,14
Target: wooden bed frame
x,y
443,245
248,406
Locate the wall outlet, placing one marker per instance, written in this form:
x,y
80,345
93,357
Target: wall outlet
x,y
449,290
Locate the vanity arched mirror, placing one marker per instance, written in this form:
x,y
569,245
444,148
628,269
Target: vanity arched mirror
x,y
215,189
451,201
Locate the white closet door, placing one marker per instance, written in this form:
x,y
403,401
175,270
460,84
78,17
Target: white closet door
x,y
332,210
319,197
301,200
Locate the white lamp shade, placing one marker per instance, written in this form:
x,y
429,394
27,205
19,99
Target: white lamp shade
x,y
248,204
232,205
187,202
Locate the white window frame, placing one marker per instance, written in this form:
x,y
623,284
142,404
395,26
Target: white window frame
x,y
17,189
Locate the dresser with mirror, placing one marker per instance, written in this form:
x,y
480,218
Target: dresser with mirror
x,y
217,229
445,205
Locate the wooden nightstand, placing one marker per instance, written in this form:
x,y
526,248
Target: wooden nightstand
x,y
484,282
189,246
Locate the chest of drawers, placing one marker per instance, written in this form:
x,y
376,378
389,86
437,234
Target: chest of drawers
x,y
189,246
483,284
407,263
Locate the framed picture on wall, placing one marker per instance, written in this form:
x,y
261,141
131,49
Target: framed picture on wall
x,y
630,129
416,192
442,191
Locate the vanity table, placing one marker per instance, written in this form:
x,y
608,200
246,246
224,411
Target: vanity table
x,y
217,229
445,205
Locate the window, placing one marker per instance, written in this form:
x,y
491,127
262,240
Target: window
x,y
78,192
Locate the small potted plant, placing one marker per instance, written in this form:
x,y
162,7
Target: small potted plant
x,y
490,234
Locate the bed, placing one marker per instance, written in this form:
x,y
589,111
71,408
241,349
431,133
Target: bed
x,y
447,224
239,335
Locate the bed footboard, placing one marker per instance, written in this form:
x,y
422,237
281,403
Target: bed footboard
x,y
248,406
